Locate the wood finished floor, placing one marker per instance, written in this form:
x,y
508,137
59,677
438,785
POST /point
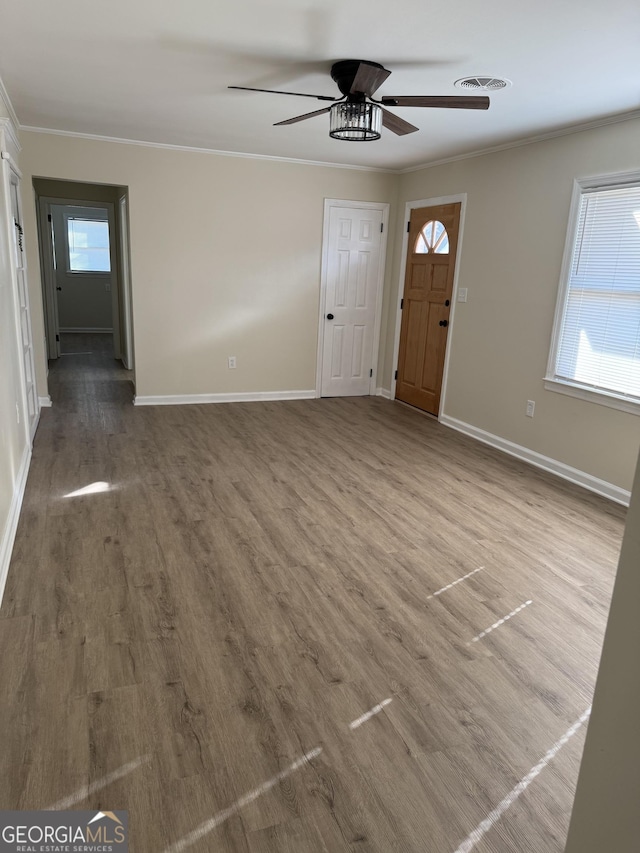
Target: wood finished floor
x,y
259,575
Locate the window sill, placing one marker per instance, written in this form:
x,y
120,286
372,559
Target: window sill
x,y
582,392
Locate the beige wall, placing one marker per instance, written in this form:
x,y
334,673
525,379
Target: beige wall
x,y
605,813
512,246
225,256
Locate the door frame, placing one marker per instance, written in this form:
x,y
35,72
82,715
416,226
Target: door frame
x,y
44,204
51,324
13,177
384,208
460,198
126,336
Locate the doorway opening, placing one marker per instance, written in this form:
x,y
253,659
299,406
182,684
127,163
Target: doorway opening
x,y
83,232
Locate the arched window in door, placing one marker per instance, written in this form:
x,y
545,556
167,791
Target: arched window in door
x,y
432,239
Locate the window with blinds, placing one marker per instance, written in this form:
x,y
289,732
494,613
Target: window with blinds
x,y
596,346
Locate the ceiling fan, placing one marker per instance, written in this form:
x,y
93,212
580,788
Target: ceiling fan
x,y
356,116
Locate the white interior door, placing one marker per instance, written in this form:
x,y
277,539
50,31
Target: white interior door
x,y
26,338
353,267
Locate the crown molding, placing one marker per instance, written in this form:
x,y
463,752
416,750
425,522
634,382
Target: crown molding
x,y
194,150
13,118
526,140
478,152
9,128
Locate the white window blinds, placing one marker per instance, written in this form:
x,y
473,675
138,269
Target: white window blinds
x,y
599,341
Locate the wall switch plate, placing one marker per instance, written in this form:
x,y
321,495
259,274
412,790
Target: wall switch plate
x,y
462,294
232,362
531,407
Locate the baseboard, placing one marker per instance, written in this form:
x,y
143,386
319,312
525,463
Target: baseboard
x,y
580,478
9,534
34,425
242,397
45,402
86,330
383,392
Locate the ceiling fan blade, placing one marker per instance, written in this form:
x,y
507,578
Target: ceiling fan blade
x,y
278,92
368,79
302,118
396,124
450,102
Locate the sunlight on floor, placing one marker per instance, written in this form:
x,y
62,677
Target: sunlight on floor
x,y
91,489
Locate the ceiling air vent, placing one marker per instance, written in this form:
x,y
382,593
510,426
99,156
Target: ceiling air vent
x,y
482,84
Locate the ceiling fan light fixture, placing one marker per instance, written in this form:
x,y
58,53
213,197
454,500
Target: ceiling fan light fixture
x,y
355,121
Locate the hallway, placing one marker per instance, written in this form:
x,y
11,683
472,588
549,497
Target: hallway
x,y
87,375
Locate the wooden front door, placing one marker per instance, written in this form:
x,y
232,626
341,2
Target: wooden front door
x,y
428,285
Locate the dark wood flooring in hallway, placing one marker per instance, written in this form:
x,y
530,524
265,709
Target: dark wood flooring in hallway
x,y
204,602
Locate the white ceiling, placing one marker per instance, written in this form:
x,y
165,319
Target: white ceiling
x,y
144,70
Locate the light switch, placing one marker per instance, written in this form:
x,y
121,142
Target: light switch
x,y
462,294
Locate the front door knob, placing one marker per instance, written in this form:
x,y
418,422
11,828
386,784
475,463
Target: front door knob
x,y
444,322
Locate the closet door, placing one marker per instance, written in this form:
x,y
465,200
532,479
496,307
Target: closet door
x,y
10,198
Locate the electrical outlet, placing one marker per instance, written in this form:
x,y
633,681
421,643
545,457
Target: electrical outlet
x,y
462,294
232,362
531,407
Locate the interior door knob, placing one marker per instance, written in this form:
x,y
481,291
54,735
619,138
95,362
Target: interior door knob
x,y
58,288
329,316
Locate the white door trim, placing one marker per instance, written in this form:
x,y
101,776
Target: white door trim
x,y
383,207
51,324
409,206
125,283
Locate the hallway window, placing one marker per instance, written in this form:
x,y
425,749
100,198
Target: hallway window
x,y
88,245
